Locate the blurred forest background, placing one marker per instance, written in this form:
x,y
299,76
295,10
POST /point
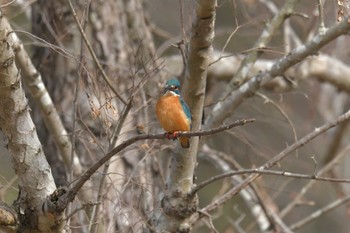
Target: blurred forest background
x,y
285,109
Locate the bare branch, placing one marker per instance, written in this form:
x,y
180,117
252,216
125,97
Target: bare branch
x,y
322,27
86,176
94,57
250,195
199,55
211,224
319,213
224,108
321,67
301,142
114,138
262,42
34,174
37,88
266,172
308,186
268,100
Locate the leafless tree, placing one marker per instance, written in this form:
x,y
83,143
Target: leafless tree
x,y
78,87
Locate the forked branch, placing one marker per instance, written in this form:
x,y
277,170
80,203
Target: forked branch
x,y
69,194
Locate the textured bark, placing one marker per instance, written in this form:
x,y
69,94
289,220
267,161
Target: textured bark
x,y
200,55
177,204
122,43
34,174
132,44
50,21
98,62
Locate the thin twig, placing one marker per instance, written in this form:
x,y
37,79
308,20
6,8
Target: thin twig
x,y
262,42
5,187
46,44
211,224
336,143
38,90
266,172
94,57
314,172
7,4
322,27
84,206
75,107
224,109
272,162
308,186
113,141
319,213
278,221
226,43
136,169
270,101
86,176
251,195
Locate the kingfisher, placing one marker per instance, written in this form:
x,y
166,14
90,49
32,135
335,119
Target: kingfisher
x,y
173,113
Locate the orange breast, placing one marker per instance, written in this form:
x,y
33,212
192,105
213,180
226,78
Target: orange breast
x,y
170,114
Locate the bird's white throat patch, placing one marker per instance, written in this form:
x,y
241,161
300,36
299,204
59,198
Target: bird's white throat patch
x,y
171,93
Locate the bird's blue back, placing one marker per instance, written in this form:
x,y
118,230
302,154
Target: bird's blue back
x,y
186,110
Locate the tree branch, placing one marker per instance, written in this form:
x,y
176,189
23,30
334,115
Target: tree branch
x,y
264,39
94,57
37,89
251,195
113,140
266,172
319,212
307,138
86,176
29,162
199,55
321,67
325,169
224,108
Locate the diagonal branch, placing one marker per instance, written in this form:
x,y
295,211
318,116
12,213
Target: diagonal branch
x,y
266,172
113,141
272,162
319,213
94,57
29,162
137,138
262,42
329,165
37,89
68,195
224,108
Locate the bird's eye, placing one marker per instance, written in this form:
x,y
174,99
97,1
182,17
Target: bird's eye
x,y
174,88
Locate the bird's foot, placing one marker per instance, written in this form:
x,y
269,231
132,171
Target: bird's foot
x,y
172,135
175,135
168,135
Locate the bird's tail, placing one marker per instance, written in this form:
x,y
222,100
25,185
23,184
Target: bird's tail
x,y
185,142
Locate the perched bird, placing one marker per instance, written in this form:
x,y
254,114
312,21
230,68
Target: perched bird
x,y
172,111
